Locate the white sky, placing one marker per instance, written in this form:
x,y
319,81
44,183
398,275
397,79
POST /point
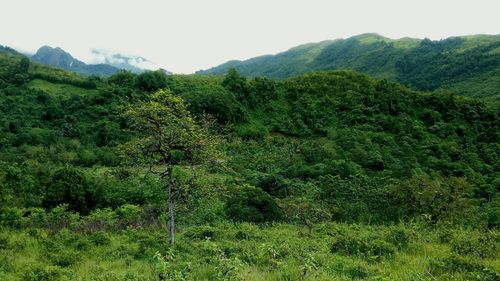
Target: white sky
x,y
187,35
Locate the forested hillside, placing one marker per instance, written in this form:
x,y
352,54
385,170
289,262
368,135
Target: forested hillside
x,y
468,65
322,176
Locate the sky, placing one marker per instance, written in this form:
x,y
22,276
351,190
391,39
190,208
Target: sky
x,y
187,35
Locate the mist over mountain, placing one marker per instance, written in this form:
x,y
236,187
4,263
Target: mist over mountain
x,y
134,64
105,63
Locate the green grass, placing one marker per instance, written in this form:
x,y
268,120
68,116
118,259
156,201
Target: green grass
x,y
59,89
227,251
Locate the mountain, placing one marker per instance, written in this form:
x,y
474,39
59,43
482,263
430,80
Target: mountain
x,y
59,58
467,65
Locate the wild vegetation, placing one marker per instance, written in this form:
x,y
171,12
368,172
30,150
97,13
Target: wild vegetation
x,y
323,176
468,65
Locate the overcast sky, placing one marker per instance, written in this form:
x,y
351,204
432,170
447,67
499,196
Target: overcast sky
x,y
187,35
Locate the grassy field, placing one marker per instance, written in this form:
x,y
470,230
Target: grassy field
x,y
228,251
59,89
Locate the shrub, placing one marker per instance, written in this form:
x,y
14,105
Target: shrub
x,y
476,244
201,232
253,205
36,217
274,185
129,214
101,219
67,185
100,238
4,241
64,258
59,217
368,247
456,264
45,273
12,216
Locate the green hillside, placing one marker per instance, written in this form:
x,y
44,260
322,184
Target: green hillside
x,y
323,176
467,65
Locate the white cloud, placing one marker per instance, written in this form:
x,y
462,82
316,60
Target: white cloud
x,y
184,36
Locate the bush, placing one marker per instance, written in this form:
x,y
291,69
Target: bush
x,y
64,258
45,273
274,185
67,185
253,205
368,247
59,217
201,232
470,269
36,217
476,244
129,214
101,219
100,238
12,216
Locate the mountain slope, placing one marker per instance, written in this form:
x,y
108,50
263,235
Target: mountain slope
x,y
57,57
460,64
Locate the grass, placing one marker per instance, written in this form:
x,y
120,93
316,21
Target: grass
x,y
228,251
59,89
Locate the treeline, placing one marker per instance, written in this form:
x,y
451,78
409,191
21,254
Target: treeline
x,y
466,66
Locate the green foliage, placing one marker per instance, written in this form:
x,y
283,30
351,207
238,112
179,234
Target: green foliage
x,y
437,198
68,185
326,146
253,205
150,81
466,65
368,247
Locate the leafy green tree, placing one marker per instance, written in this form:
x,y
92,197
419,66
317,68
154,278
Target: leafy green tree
x,y
67,185
166,136
24,65
236,83
252,204
150,81
438,198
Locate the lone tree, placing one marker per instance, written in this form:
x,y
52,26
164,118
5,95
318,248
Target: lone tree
x,y
166,135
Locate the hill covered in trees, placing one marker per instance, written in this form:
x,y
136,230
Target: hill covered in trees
x,y
326,175
468,65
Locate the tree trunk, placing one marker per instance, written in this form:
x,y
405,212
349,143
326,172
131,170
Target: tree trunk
x,y
170,210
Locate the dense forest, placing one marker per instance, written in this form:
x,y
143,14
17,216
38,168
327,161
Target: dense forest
x,y
332,175
468,65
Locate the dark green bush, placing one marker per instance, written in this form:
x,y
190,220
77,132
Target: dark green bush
x,y
253,205
274,185
68,185
150,81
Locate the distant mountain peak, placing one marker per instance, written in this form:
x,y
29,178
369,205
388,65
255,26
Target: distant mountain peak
x,y
59,58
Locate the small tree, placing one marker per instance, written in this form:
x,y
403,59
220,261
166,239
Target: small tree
x,y
166,136
24,65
